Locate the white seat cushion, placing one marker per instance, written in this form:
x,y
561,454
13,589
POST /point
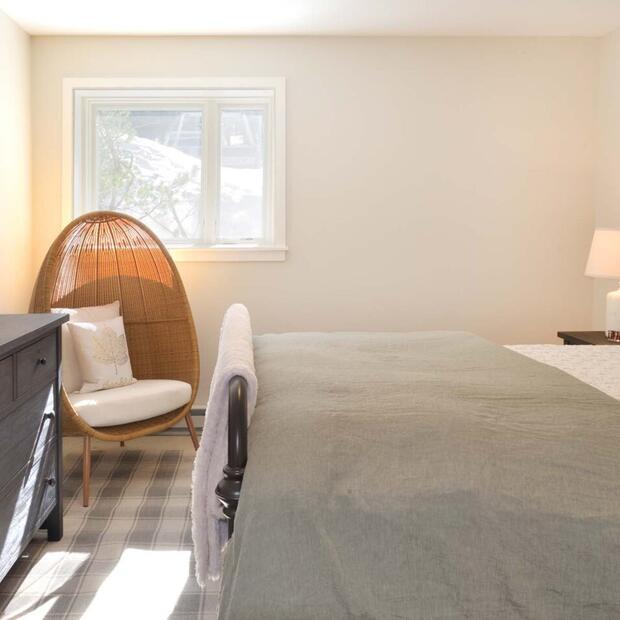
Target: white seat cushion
x,y
141,400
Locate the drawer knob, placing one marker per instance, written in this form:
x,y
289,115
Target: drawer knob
x,y
42,361
48,416
51,482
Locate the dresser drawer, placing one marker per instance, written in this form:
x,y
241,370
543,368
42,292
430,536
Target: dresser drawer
x,y
6,382
24,432
25,504
30,441
36,363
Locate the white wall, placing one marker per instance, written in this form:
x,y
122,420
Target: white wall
x,y
607,157
15,177
432,183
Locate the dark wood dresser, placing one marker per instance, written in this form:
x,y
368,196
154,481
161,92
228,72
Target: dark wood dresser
x,y
30,434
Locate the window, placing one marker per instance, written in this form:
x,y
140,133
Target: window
x,y
203,167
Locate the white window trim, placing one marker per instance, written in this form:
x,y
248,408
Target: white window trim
x,y
274,252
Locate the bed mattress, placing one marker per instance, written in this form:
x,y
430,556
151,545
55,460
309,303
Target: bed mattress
x,y
424,475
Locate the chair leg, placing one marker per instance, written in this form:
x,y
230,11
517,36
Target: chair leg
x,y
86,471
192,430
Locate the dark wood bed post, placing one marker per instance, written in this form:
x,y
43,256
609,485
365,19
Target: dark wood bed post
x,y
229,488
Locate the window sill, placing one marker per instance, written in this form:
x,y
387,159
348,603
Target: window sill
x,y
228,254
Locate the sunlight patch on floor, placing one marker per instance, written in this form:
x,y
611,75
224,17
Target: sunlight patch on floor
x,y
144,584
51,572
39,612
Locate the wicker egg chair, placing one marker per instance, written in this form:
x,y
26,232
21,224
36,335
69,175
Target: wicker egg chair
x,y
106,256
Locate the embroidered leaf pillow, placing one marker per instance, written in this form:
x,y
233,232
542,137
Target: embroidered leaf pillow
x,y
71,377
103,357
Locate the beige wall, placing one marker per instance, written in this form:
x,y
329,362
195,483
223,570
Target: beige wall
x,y
607,157
15,179
432,183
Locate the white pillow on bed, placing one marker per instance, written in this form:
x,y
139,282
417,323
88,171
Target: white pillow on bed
x,y
71,375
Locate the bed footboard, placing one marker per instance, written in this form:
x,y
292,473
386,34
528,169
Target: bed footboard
x,y
228,490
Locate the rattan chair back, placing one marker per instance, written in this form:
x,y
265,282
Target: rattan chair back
x,y
105,256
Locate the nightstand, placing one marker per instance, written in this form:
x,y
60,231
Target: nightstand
x,y
595,338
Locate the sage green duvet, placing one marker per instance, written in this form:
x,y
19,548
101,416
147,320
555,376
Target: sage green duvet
x,y
424,475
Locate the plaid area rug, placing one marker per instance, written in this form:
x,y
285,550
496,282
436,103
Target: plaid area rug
x,y
129,555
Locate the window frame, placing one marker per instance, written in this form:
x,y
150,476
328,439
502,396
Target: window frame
x,y
80,101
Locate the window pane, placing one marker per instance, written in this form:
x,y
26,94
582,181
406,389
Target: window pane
x,y
242,154
149,165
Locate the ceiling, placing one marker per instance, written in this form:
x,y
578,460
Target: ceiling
x,y
320,17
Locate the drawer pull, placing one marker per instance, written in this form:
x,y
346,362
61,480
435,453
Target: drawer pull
x,y
42,361
51,482
48,416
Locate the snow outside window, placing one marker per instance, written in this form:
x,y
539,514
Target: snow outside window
x,y
197,166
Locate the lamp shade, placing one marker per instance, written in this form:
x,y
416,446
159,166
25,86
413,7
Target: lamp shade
x,y
604,258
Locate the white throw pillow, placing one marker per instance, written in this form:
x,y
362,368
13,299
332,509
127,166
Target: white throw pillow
x,y
101,350
71,375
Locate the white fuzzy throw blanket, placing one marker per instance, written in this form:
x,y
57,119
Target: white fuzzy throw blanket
x,y
235,357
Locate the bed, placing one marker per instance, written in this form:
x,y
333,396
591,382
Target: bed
x,y
421,475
